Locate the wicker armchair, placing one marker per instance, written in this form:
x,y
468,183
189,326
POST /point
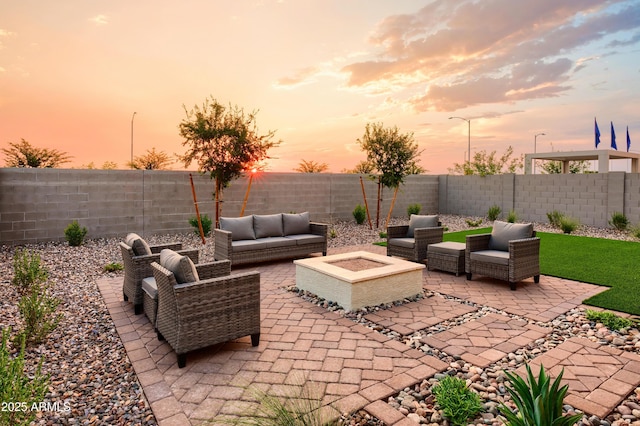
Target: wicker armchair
x,y
411,241
217,308
485,254
137,268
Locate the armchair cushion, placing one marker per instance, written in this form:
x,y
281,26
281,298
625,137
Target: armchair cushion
x,y
503,232
137,244
421,221
241,228
294,224
402,242
182,267
497,257
268,225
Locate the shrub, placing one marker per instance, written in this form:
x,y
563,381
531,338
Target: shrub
x,y
75,234
554,218
568,224
473,223
619,221
382,234
113,267
359,214
609,319
413,209
28,270
635,231
457,402
512,217
494,212
37,309
333,233
206,224
18,387
539,402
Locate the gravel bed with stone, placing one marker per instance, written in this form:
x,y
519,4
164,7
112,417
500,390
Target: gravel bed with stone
x,y
92,381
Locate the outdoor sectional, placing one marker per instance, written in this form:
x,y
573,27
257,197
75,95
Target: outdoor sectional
x,y
261,238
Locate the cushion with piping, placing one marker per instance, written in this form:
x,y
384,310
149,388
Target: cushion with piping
x,y
182,267
503,232
294,224
137,244
421,221
268,225
241,228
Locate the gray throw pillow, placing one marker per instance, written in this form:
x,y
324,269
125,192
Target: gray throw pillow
x,y
421,221
295,224
241,228
503,232
268,225
137,244
182,267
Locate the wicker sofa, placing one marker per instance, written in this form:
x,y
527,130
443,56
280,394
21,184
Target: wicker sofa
x,y
261,238
411,241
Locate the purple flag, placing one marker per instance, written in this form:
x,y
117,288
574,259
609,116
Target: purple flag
x,y
597,132
613,138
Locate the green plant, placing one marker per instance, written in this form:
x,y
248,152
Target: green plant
x,y
512,217
206,221
457,402
37,309
635,231
333,233
359,214
382,234
539,402
569,224
18,389
619,221
113,267
554,218
28,270
609,319
474,223
494,212
74,234
413,209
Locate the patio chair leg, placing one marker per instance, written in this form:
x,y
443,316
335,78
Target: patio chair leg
x,y
125,297
536,279
255,339
512,285
137,309
182,360
469,276
160,336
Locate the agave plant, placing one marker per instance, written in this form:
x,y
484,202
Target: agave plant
x,y
539,402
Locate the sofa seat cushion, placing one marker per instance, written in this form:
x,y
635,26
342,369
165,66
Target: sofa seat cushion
x,y
302,239
241,228
268,225
402,242
277,242
248,245
497,257
137,244
421,221
182,267
503,232
294,224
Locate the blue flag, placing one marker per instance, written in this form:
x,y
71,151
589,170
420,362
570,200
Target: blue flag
x,y
628,140
597,131
613,138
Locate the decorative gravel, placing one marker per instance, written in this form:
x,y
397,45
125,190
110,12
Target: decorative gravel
x,y
91,378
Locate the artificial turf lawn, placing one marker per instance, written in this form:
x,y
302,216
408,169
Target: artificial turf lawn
x,y
601,261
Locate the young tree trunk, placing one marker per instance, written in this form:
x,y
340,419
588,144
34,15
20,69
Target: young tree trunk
x,y
378,206
218,201
393,202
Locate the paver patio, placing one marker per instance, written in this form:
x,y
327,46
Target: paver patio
x,y
354,366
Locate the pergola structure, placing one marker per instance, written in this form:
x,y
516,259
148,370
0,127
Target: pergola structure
x,y
603,157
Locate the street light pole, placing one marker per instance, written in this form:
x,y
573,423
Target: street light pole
x,y
132,117
535,143
468,137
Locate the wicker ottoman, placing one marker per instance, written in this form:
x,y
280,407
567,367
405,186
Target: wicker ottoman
x,y
446,256
150,299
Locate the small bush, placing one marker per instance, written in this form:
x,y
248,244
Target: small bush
x,y
74,234
113,267
619,221
494,212
457,402
413,209
512,217
609,319
28,270
474,223
635,231
569,224
359,214
37,309
554,218
206,221
382,234
333,233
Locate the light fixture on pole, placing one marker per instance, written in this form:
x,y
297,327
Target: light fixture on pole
x,y
535,143
132,117
469,137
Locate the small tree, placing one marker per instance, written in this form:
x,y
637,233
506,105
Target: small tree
x,y
311,167
555,167
224,141
152,160
393,156
364,167
23,154
484,164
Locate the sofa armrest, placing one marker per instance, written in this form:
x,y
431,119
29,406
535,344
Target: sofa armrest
x,y
426,236
215,269
171,246
318,228
524,249
222,248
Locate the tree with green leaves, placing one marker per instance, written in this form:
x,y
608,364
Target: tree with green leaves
x,y
224,142
311,167
363,168
555,167
484,164
23,154
152,160
393,156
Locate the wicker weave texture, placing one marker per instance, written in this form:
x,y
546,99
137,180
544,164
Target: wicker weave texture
x,y
445,262
422,238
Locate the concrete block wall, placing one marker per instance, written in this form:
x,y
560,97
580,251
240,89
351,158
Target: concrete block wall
x,y
474,195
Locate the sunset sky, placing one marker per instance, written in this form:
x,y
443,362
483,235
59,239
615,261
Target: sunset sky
x,y
73,72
